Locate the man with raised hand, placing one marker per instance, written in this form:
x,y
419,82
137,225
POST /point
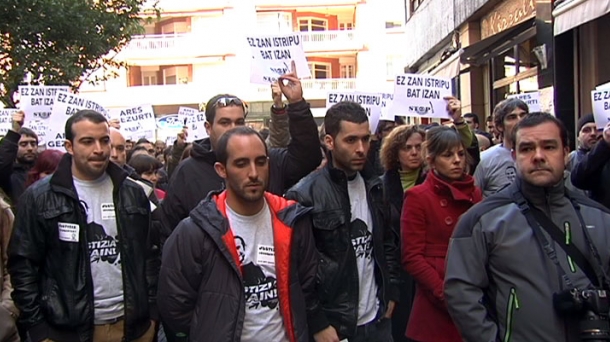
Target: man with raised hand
x,y
242,266
195,177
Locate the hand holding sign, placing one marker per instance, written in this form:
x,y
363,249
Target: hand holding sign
x,y
291,85
607,133
18,119
276,95
182,136
454,108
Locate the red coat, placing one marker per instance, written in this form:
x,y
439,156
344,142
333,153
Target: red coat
x,y
429,214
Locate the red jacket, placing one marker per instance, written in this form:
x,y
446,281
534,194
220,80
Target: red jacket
x,y
429,214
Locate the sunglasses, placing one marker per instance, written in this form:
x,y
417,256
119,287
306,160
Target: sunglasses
x,y
227,101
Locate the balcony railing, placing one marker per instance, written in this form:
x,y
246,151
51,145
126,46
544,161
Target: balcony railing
x,y
185,45
335,40
154,46
198,92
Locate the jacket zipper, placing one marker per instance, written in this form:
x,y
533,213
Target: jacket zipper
x,y
568,233
513,304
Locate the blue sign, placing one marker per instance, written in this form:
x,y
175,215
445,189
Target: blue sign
x,y
171,121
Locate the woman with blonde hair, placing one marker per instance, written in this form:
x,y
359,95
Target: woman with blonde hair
x,y
401,158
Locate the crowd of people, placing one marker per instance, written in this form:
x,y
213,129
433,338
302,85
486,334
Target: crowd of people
x,y
426,233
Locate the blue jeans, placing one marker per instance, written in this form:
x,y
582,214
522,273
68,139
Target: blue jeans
x,y
379,330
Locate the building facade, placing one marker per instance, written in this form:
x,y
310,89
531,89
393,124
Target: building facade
x,y
491,49
198,49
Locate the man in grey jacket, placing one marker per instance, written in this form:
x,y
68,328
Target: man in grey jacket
x,y
499,281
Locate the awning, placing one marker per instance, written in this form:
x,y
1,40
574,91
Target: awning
x,y
488,48
449,68
573,13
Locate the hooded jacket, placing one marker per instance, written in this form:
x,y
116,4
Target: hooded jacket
x,y
52,283
195,177
499,283
12,174
201,287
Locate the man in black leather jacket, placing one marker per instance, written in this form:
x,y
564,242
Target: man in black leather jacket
x,y
80,257
358,269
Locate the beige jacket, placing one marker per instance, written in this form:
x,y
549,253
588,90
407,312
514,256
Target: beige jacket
x,y
6,227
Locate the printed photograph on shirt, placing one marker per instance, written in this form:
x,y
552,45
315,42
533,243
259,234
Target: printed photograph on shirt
x,y
102,247
362,239
260,288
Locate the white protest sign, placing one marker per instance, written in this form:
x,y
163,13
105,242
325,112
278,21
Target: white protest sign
x,y
272,57
194,120
64,106
421,96
6,120
532,100
603,86
386,105
601,107
371,102
137,122
37,101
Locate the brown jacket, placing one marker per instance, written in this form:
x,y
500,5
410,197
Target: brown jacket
x,y
6,226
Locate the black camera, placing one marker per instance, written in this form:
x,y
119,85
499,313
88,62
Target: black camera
x,y
591,306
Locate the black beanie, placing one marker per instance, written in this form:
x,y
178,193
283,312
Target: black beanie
x,y
585,119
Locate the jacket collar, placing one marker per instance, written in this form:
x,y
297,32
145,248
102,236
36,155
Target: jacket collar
x,y
541,196
339,176
62,177
202,150
461,190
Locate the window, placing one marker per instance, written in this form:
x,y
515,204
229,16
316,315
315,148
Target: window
x,y
346,26
415,5
348,71
312,24
176,75
319,70
175,27
149,78
395,65
274,22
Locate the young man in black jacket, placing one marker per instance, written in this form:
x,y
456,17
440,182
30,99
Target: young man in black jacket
x,y
242,266
195,177
359,270
18,152
81,262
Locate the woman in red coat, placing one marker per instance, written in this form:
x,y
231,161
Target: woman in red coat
x,y
430,212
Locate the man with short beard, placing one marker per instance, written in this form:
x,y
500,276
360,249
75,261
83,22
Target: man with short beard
x,y
588,135
242,266
18,152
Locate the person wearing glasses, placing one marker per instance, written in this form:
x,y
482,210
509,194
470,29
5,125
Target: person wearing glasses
x,y
195,177
18,152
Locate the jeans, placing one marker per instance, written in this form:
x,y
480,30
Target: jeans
x,y
379,330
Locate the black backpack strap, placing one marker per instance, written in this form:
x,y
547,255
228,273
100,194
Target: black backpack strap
x,y
537,220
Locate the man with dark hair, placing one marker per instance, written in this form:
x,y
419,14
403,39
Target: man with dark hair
x,y
18,152
195,177
472,120
147,145
242,266
497,167
588,135
592,171
505,278
81,259
359,270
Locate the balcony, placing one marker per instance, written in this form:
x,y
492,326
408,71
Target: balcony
x,y
197,92
331,41
264,4
183,45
